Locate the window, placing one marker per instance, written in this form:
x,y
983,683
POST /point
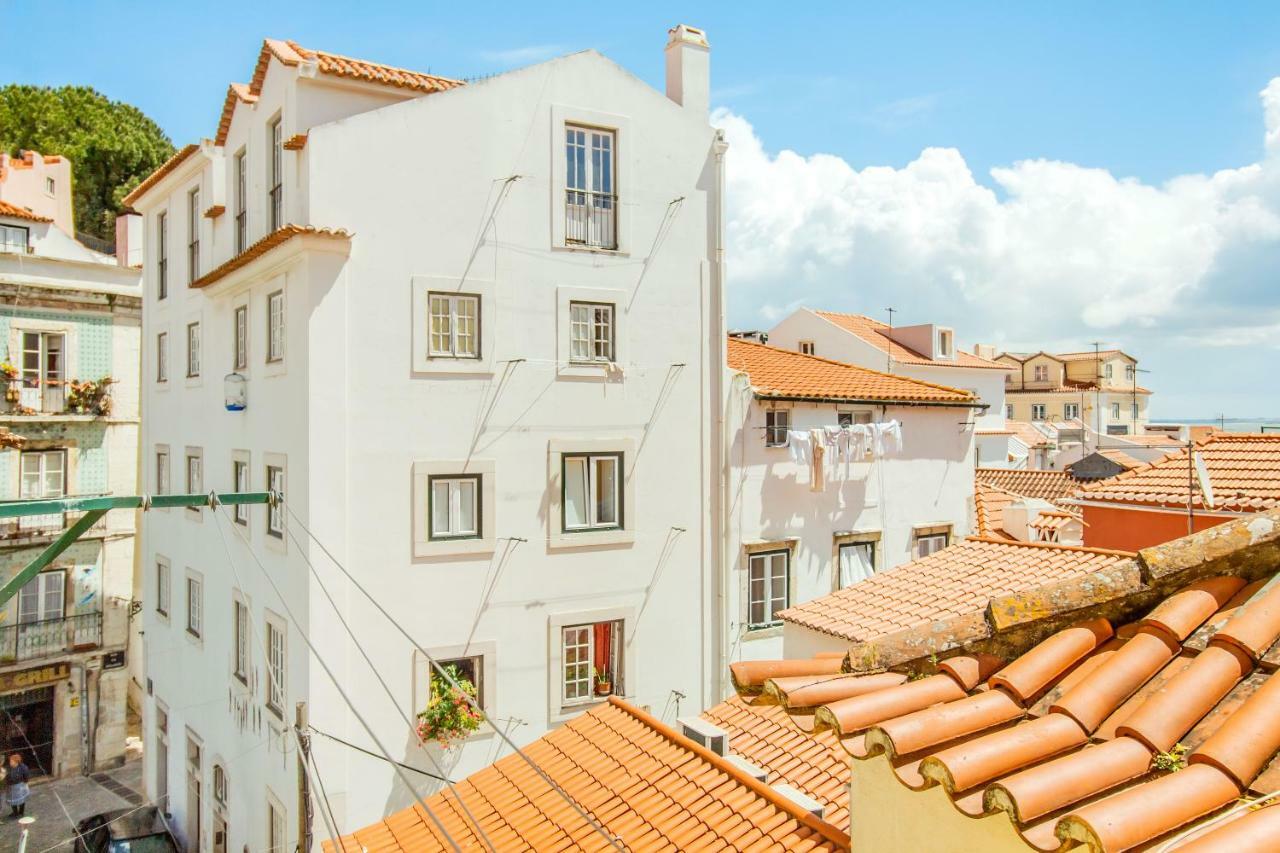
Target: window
x,y
241,627
768,587
219,785
455,325
1038,411
1106,370
455,507
776,424
14,238
590,331
193,350
946,340
195,478
195,605
275,828
1008,410
240,335
193,235
240,476
807,348
1071,411
241,196
1134,408
1130,373
929,543
162,586
275,175
162,472
1117,429
851,418
195,777
162,357
162,757
591,653
42,599
468,670
49,185
275,511
857,562
275,326
1041,373
1115,411
590,203
43,371
275,667
592,498
44,474
162,255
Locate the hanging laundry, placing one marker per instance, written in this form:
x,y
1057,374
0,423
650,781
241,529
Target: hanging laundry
x,y
817,481
799,443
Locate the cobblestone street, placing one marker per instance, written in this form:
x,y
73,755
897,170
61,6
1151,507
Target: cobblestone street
x,y
76,796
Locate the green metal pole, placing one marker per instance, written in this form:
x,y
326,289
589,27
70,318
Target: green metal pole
x,y
48,555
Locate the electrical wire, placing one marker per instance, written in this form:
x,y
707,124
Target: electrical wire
x,y
361,749
387,689
324,795
36,757
613,842
355,712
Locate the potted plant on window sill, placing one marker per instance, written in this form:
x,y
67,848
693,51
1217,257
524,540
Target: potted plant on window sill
x,y
604,684
449,716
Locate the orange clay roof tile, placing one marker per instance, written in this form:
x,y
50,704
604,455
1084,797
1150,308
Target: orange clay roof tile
x,y
778,373
957,580
1244,472
160,174
875,332
642,781
1252,829
1049,485
988,505
15,212
276,238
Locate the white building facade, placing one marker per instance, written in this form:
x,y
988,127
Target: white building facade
x,y
477,333
789,541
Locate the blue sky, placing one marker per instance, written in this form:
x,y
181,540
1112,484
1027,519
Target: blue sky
x,y
1148,91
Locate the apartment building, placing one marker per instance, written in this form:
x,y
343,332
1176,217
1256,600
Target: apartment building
x,y
470,332
70,331
894,483
929,352
1099,389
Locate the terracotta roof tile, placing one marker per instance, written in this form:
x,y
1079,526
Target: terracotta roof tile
x,y
159,174
1050,485
874,333
778,373
12,210
645,783
958,580
1244,471
1124,460
266,244
1028,434
988,504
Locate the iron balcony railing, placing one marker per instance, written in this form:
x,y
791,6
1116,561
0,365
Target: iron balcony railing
x,y
48,397
50,637
591,219
44,524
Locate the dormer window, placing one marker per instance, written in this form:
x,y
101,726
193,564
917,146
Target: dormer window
x,y
13,238
807,348
946,343
1042,373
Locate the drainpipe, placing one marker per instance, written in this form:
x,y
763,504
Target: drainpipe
x,y
719,363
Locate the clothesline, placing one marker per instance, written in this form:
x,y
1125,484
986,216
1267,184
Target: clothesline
x,y
821,449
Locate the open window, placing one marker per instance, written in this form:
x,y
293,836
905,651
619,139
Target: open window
x,y
592,491
592,661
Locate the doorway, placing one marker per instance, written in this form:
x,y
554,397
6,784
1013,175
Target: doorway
x,y
26,727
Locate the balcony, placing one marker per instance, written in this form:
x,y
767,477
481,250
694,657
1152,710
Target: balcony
x,y
30,528
50,637
591,219
57,397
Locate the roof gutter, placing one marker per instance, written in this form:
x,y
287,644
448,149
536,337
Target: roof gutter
x,y
1167,509
941,404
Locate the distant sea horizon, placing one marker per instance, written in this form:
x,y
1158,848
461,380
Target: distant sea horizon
x,y
1228,424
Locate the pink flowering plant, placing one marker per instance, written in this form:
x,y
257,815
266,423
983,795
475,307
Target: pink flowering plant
x,y
449,715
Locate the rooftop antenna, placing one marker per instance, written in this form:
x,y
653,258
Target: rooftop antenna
x,y
888,352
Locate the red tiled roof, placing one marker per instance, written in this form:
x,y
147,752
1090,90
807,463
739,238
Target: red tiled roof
x,y
783,374
276,238
1124,460
1090,355
647,785
1149,440
1028,434
235,92
1050,485
1244,472
1050,520
988,505
959,580
1062,742
159,174
874,333
15,212
1071,386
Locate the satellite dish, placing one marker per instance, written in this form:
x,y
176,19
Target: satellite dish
x,y
1202,475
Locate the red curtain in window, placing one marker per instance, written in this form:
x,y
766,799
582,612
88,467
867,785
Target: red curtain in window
x,y
604,647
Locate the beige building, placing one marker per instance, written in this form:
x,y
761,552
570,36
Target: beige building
x,y
1099,389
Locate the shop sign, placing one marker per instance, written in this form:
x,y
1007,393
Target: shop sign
x,y
27,678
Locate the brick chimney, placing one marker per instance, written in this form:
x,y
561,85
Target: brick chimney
x,y
689,68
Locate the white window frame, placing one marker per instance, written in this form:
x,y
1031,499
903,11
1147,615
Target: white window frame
x,y
16,238
275,480
240,482
162,357
446,338
776,424
591,187
1115,411
808,348
44,467
570,638
240,337
240,621
624,174
194,594
1130,372
592,331
1039,411
1070,411
1107,370
193,349
275,327
276,641
765,562
43,598
931,542
454,496
1040,373
590,482
164,587
193,477
43,376
1008,411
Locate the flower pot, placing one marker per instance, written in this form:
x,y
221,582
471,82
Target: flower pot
x,y
604,688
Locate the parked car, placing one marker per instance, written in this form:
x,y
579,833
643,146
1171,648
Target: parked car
x,y
142,830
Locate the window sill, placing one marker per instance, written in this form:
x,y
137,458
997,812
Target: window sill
x,y
570,710
598,370
591,250
588,539
453,547
764,632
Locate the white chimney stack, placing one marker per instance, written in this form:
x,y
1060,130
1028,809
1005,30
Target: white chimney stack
x,y
129,239
689,68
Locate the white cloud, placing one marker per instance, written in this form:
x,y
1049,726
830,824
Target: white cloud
x,y
1056,254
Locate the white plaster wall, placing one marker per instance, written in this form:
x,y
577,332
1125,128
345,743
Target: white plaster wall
x,y
930,481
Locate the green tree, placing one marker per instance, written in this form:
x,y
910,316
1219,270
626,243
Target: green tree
x,y
112,145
